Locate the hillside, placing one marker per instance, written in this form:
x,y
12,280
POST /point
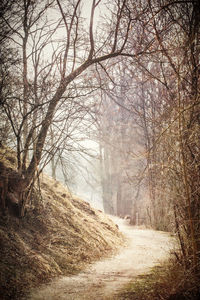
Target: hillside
x,y
60,235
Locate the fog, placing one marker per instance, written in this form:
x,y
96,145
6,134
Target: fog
x,y
84,175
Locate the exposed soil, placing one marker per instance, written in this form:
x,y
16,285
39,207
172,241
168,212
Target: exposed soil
x,y
145,248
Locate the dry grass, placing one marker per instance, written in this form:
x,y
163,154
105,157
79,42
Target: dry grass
x,y
8,157
60,236
169,281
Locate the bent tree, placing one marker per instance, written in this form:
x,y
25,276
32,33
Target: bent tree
x,y
56,44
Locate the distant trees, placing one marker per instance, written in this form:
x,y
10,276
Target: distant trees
x,y
119,134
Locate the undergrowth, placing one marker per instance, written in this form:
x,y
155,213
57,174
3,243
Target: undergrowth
x,y
168,281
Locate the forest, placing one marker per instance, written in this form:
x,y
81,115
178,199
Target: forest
x,y
123,74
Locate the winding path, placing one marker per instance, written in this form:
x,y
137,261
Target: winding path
x,y
145,249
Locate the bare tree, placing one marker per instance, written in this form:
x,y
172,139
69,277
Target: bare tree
x,y
40,83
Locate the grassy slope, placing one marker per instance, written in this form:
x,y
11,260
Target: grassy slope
x,y
60,236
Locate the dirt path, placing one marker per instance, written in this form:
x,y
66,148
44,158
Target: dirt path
x,y
145,249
